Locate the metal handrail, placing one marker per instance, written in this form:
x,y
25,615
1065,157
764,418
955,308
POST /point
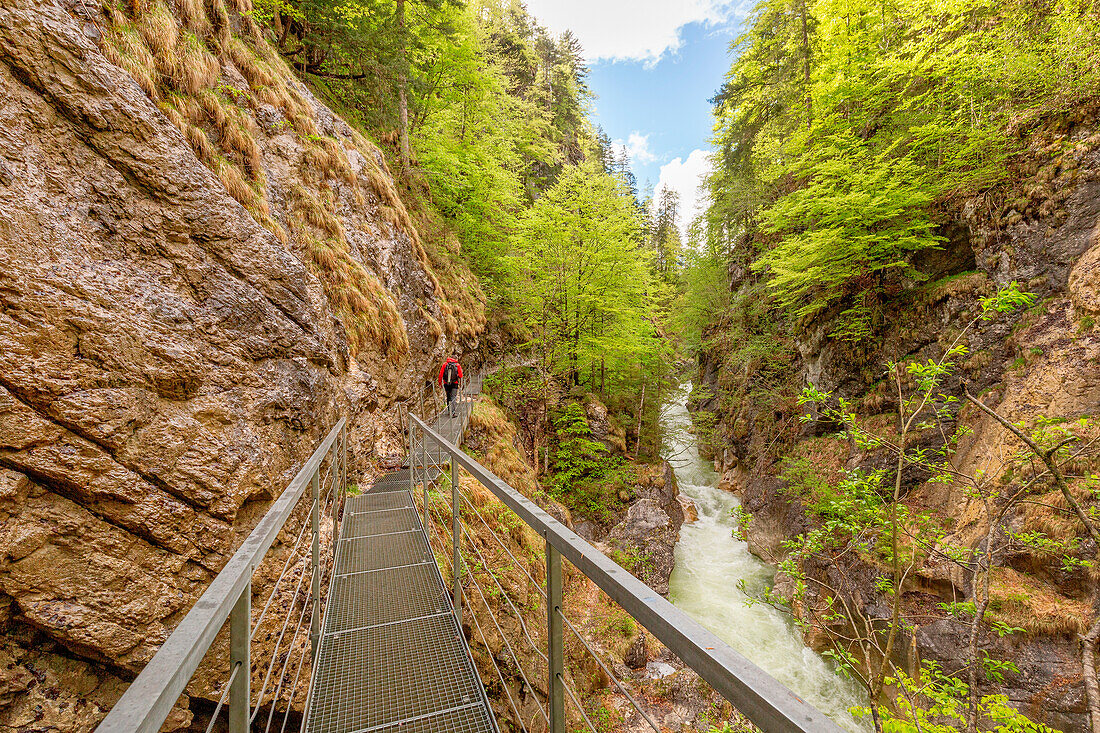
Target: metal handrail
x,y
752,691
148,700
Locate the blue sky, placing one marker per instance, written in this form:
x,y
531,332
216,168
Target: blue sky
x,y
665,103
654,66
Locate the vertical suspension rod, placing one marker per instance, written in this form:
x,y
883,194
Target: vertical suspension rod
x,y
315,581
456,532
554,640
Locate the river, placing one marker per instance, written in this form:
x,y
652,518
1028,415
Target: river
x,y
709,564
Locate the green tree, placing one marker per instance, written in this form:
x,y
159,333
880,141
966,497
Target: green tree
x,y
844,129
664,233
588,292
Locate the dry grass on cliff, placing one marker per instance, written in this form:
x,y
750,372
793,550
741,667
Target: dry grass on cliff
x,y
326,156
496,441
462,301
125,49
313,212
194,16
463,307
1023,601
371,318
185,56
177,54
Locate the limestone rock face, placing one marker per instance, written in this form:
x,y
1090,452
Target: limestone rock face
x,y
1045,362
651,528
166,365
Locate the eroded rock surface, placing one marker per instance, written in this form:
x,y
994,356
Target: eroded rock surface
x,y
1045,362
648,534
166,365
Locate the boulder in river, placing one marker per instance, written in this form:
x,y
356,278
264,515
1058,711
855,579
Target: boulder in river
x,y
648,534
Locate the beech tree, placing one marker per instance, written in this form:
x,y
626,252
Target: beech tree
x,y
843,128
588,293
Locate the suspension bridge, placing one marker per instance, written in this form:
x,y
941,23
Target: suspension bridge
x,y
374,641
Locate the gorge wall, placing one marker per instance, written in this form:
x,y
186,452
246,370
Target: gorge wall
x,y
1043,232
203,268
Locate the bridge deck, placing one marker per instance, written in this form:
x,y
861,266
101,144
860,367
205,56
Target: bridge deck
x,y
392,656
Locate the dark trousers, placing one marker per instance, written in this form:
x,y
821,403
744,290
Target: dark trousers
x,y
452,394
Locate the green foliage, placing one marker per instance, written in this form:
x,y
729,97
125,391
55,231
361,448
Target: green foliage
x,y
577,456
586,477
604,717
703,293
864,517
494,106
743,520
859,215
517,389
589,295
618,623
843,128
936,702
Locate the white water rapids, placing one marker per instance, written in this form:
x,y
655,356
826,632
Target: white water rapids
x,y
709,564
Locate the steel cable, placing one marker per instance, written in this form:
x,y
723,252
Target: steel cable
x,y
271,596
611,675
286,664
225,694
504,593
577,703
294,689
504,638
442,542
500,676
275,588
279,643
500,542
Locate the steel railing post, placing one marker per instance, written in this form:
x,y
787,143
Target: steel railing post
x,y
240,622
315,583
412,452
554,640
424,477
456,532
337,480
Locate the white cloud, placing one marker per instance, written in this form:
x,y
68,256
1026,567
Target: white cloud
x,y
629,30
685,177
637,148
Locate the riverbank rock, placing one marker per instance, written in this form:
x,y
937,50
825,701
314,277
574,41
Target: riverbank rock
x,y
636,657
647,536
603,428
687,505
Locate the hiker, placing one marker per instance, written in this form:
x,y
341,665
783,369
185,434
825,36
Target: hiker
x,y
449,376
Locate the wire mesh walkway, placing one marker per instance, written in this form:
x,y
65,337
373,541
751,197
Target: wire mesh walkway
x,y
392,656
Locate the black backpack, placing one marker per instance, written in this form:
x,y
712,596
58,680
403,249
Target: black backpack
x,y
450,373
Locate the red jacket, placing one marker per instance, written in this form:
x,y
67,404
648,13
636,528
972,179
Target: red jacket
x,y
442,368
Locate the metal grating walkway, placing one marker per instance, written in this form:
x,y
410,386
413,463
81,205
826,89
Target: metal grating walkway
x,y
392,658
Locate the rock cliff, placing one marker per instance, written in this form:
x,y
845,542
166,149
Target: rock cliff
x,y
199,276
1044,232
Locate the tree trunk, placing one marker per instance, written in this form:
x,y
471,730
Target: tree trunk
x,y
402,85
980,594
1088,669
641,407
806,65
